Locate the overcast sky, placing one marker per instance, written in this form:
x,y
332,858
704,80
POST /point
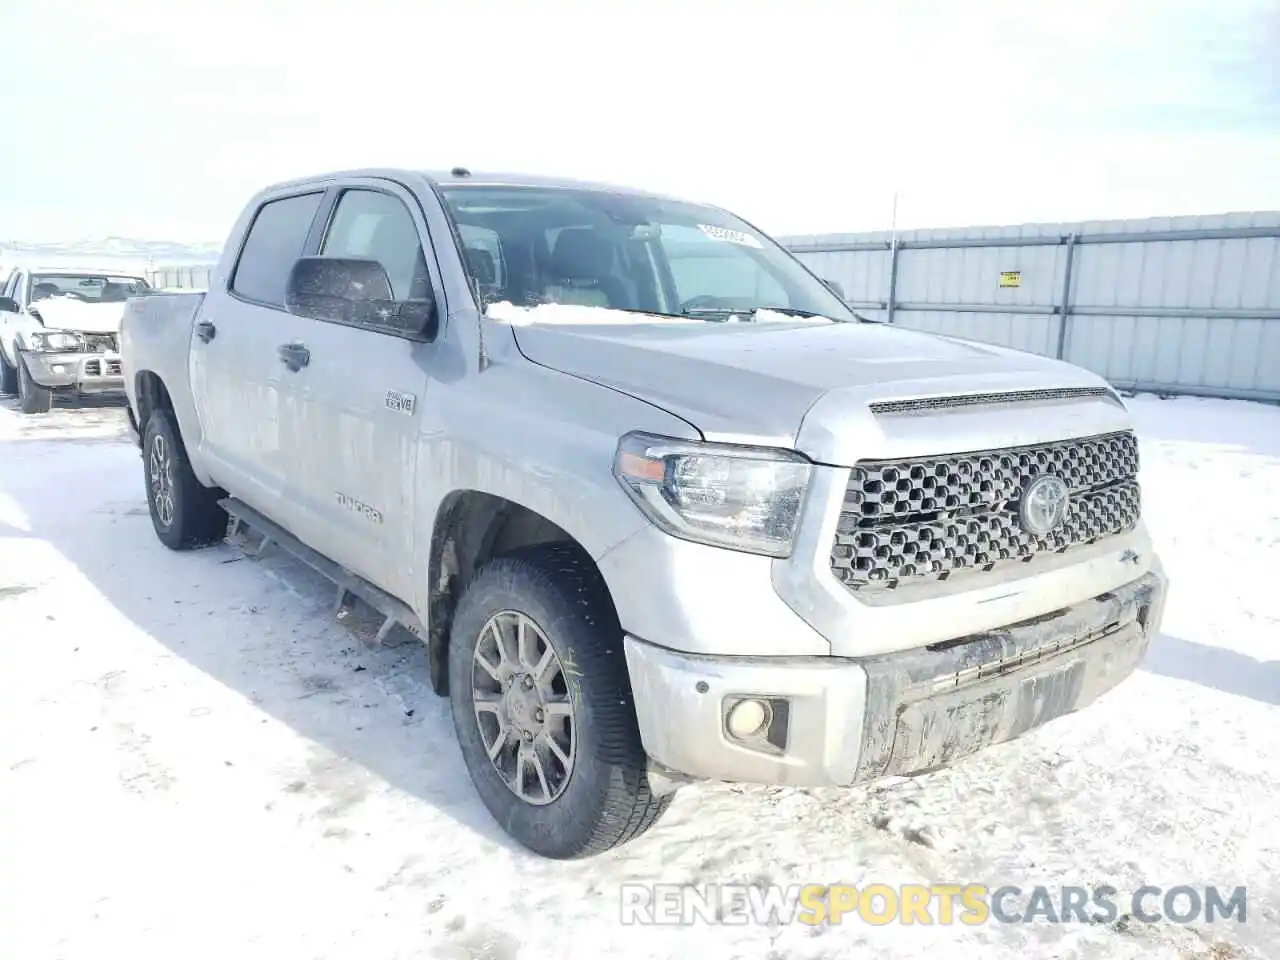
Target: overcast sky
x,y
137,118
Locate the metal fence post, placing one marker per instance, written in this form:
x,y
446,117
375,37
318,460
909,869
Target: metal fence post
x,y
893,279
1064,308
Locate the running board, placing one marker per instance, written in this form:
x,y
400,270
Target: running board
x,y
350,586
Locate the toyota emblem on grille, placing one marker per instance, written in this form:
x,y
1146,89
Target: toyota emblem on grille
x,y
1044,505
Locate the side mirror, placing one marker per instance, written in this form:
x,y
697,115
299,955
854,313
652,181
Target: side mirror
x,y
358,292
835,288
8,305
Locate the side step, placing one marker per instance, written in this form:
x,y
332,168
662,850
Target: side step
x,y
349,585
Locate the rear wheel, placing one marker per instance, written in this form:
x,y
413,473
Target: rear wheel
x,y
184,512
542,705
32,398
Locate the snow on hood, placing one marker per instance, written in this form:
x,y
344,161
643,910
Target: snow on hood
x,y
68,313
569,314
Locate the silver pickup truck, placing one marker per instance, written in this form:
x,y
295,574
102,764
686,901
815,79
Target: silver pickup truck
x,y
660,505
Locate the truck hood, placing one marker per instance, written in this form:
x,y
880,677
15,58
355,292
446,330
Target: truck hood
x,y
803,385
67,313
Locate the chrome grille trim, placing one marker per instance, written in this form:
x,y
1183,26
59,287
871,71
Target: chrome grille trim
x,y
930,519
919,404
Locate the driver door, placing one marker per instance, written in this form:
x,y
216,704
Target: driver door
x,y
361,395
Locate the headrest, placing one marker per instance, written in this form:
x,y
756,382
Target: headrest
x,y
480,261
580,252
392,232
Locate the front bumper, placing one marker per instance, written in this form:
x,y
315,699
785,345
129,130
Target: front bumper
x,y
82,372
855,720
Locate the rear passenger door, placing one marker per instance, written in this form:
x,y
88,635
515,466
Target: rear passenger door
x,y
245,396
362,395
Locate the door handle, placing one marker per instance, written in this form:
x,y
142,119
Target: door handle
x,y
295,356
206,331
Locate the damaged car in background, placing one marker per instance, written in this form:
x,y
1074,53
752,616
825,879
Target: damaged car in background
x,y
60,333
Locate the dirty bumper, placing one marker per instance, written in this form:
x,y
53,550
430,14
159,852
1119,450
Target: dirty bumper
x,y
84,372
849,721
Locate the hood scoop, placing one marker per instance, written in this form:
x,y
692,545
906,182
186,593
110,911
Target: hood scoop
x,y
931,404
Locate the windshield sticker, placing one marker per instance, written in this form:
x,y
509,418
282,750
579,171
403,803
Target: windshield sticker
x,y
730,236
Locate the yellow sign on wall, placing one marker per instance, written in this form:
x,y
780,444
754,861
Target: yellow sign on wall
x,y
1010,278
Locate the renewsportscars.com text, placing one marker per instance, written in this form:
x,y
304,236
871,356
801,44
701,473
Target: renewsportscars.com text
x,y
879,904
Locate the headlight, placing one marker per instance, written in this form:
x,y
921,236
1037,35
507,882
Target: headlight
x,y
743,498
55,340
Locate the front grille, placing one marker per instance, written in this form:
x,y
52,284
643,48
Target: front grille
x,y
94,368
100,343
931,519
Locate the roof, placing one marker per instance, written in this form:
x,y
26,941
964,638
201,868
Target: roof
x,y
489,178
473,178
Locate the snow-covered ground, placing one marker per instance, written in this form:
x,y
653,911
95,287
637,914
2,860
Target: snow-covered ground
x,y
197,761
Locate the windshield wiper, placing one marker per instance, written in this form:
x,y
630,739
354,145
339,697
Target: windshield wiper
x,y
724,313
716,313
808,313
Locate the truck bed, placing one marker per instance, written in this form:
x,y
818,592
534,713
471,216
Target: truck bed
x,y
155,337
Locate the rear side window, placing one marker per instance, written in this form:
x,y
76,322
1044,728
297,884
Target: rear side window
x,y
275,241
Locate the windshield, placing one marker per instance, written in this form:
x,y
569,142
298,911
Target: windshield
x,y
535,245
89,287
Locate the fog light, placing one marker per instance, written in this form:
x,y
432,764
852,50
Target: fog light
x,y
59,368
747,718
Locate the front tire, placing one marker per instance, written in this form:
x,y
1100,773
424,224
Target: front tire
x,y
184,512
32,398
542,705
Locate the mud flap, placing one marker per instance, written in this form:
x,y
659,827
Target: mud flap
x,y
134,432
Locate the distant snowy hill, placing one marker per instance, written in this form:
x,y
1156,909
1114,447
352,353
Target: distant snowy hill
x,y
109,251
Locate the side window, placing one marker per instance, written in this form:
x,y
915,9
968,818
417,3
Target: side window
x,y
377,226
275,241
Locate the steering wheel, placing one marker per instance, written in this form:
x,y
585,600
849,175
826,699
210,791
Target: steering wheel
x,y
74,293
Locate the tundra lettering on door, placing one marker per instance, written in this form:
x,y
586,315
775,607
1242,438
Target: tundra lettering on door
x,y
357,507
